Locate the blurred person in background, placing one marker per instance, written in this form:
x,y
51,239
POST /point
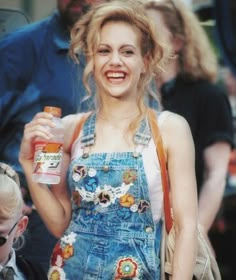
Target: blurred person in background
x,y
187,87
12,226
35,71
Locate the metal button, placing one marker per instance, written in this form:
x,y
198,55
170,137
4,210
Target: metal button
x,y
135,154
105,168
149,229
85,155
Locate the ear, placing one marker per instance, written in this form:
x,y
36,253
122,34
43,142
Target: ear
x,y
22,225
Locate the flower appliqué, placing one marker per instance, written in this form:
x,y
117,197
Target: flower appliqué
x,y
126,268
79,172
56,273
127,200
129,176
143,206
103,195
62,252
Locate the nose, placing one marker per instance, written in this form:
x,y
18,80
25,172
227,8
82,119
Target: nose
x,y
115,58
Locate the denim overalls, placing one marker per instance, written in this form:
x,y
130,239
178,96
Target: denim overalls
x,y
112,235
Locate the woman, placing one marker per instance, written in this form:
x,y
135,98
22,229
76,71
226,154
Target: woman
x,y
111,228
188,88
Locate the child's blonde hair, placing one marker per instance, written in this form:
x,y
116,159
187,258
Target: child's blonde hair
x,y
11,201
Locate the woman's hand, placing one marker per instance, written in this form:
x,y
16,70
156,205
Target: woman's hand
x,y
38,127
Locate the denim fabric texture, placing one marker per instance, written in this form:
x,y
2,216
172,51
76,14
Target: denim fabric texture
x,y
112,234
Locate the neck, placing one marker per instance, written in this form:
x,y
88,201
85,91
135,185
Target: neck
x,y
5,260
118,116
120,110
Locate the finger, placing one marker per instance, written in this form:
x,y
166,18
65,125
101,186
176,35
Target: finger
x,y
43,115
41,120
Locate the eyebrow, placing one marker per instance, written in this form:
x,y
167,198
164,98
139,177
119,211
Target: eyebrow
x,y
122,46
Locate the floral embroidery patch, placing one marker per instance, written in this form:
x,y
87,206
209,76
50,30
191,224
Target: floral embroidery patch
x,y
126,268
127,200
129,176
62,252
78,172
103,195
56,273
143,206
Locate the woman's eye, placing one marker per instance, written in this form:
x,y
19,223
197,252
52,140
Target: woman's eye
x,y
103,51
128,52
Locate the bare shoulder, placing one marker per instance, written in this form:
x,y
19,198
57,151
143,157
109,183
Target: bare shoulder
x,y
174,121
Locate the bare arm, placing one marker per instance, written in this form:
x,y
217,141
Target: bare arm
x,y
53,204
178,141
216,159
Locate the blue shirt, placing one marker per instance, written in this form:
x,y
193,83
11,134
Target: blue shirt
x,y
36,71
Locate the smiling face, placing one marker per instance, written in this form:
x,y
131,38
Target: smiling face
x,y
71,10
118,62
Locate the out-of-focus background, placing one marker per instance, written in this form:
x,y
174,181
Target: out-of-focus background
x,y
34,9
37,9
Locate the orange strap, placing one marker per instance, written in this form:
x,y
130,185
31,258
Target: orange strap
x,y
78,129
162,160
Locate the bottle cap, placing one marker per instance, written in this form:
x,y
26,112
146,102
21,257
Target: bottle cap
x,y
55,111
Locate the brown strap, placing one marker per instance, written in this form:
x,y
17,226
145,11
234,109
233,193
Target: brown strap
x,y
152,116
78,129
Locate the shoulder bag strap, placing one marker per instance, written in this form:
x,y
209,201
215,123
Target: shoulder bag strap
x,y
152,116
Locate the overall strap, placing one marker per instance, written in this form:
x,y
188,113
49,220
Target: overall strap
x,y
88,137
143,134
152,116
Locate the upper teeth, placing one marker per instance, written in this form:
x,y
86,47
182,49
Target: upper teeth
x,y
115,75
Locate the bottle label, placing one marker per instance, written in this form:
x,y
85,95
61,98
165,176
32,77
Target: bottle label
x,y
47,158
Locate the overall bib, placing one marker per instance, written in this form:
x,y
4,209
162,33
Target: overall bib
x,y
112,235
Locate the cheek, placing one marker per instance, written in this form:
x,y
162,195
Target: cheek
x,y
99,62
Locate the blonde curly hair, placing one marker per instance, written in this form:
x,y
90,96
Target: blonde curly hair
x,y
85,38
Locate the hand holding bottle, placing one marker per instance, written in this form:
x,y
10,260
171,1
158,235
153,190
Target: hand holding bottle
x,y
42,145
38,127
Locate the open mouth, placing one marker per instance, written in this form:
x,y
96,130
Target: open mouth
x,y
115,76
